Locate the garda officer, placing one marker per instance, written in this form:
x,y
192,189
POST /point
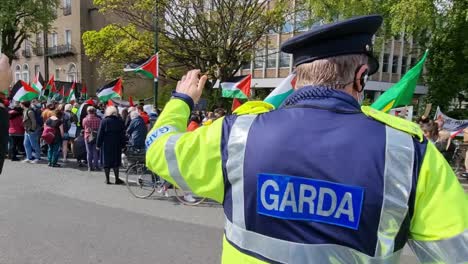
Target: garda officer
x,y
321,179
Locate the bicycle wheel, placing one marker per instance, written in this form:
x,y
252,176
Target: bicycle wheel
x,y
141,182
184,197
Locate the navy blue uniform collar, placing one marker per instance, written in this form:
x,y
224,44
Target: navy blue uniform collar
x,y
322,97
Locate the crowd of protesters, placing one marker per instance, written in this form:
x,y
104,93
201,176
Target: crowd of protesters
x,y
93,134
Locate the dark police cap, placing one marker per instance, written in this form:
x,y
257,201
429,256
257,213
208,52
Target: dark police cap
x,y
352,36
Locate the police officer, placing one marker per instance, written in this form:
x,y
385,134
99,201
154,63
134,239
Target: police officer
x,y
321,179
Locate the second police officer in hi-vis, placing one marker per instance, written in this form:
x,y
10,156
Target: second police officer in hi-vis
x,y
321,179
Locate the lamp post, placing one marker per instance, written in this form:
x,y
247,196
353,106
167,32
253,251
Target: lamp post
x,y
156,49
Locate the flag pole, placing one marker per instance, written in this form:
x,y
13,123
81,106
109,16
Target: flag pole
x,y
156,49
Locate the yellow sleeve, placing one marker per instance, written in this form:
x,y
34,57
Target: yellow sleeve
x,y
440,220
190,160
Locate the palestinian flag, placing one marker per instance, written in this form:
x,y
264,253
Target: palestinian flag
x,y
280,93
50,87
22,92
38,83
110,90
84,92
237,87
146,67
70,97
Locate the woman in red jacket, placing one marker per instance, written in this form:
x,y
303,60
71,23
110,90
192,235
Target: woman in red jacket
x,y
16,133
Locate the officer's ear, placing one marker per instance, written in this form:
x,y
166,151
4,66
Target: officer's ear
x,y
360,78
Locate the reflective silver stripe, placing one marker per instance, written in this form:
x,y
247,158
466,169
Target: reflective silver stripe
x,y
172,163
398,174
452,250
235,165
289,252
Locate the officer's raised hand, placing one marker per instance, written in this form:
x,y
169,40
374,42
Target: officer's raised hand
x,y
192,85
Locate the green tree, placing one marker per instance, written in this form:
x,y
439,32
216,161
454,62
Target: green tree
x,y
217,38
20,18
439,25
448,66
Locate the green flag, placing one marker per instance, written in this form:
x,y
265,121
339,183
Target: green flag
x,y
401,93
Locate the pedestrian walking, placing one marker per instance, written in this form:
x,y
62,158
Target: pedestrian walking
x,y
110,140
31,135
54,126
91,125
321,179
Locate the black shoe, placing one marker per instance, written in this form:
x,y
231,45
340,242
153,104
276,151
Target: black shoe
x,y
90,169
119,182
464,175
107,182
56,165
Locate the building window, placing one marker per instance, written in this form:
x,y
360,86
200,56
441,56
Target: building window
x,y
37,69
66,7
288,24
259,59
17,73
72,73
395,64
54,39
403,65
385,62
285,60
271,58
38,39
26,73
68,37
246,66
57,74
302,18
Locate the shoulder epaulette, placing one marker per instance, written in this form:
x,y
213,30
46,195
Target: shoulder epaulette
x,y
254,108
395,122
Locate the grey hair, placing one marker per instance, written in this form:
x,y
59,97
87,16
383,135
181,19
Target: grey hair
x,y
134,114
91,110
334,72
68,107
111,111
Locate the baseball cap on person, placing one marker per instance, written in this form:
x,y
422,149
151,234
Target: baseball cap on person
x,y
351,36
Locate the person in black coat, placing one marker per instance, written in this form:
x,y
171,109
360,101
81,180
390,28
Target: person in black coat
x,y
110,140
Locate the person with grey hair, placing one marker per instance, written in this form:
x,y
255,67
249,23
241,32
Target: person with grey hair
x,y
111,140
136,131
321,179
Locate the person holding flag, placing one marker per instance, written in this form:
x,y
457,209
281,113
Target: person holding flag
x,y
321,179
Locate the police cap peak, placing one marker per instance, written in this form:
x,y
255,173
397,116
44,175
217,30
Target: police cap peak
x,y
351,36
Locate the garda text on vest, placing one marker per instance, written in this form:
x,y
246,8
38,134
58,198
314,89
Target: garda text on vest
x,y
298,198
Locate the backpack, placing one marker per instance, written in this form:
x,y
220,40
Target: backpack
x,y
48,135
92,136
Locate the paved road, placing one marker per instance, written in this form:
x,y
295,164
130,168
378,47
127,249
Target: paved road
x,y
70,216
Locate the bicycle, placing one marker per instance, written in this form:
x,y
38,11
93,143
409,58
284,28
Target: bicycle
x,y
142,183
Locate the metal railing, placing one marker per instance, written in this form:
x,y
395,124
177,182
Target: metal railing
x,y
39,51
60,50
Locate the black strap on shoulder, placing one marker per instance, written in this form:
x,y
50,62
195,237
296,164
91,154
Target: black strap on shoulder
x,y
339,111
